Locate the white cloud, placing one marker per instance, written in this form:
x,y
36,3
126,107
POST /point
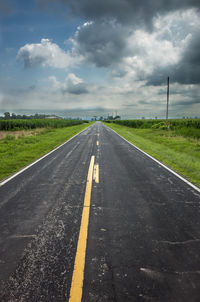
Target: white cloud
x,y
73,79
47,53
128,57
72,84
55,84
151,52
139,52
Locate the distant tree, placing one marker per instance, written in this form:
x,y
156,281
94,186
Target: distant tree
x,y
13,116
7,115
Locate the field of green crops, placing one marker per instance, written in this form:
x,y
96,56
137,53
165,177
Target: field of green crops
x,y
179,127
37,123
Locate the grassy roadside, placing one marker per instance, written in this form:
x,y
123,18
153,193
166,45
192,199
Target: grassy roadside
x,y
16,153
177,152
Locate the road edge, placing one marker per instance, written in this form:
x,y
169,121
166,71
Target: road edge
x,y
39,159
157,161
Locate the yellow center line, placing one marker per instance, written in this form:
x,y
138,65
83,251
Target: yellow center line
x,y
96,173
79,265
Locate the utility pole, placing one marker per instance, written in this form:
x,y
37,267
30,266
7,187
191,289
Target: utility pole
x,y
167,101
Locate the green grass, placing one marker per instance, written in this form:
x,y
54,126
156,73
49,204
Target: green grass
x,y
180,153
16,153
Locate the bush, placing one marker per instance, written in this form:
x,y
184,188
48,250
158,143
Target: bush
x,y
160,126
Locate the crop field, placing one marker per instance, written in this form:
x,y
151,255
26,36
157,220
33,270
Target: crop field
x,y
37,123
179,127
178,147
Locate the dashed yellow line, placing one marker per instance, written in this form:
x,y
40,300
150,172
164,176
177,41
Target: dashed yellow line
x,y
97,143
79,266
96,173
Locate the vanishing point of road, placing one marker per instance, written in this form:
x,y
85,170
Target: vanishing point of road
x,y
98,220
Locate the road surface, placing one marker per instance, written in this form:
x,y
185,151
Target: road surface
x,y
139,239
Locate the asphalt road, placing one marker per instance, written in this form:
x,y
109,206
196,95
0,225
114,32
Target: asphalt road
x,y
143,239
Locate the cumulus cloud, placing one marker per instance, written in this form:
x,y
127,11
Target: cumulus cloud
x,y
72,84
149,52
101,43
170,49
75,85
150,39
138,44
108,43
186,70
46,53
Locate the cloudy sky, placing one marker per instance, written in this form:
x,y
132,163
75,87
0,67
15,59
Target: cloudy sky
x,y
86,57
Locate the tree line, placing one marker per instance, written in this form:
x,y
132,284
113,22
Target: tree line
x,y
13,116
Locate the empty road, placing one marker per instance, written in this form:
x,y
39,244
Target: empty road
x,y
98,220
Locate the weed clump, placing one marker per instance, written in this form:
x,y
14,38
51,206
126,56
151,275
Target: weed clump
x,y
9,137
160,126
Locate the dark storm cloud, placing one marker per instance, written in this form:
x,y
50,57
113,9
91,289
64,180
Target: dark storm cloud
x,y
192,53
143,102
188,102
104,40
101,43
124,11
76,89
187,71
